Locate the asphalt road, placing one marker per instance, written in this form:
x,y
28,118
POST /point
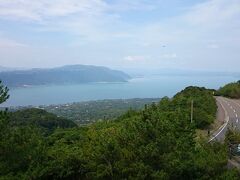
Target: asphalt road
x,y
230,108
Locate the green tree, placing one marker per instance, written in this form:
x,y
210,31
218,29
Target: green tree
x,y
3,114
231,90
4,121
21,148
3,93
157,142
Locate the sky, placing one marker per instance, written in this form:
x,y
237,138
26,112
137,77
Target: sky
x,y
175,34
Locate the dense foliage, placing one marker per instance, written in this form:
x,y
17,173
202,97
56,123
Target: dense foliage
x,y
39,118
157,142
231,90
3,93
204,105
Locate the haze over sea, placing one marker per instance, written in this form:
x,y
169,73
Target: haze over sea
x,y
146,87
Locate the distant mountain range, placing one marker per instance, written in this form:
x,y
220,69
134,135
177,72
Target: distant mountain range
x,y
70,74
143,72
3,69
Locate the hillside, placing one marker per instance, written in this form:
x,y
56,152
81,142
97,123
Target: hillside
x,y
157,142
3,68
231,90
63,75
40,119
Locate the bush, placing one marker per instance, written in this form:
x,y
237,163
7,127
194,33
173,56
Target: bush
x,y
231,90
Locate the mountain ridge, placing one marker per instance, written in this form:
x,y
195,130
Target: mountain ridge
x,y
69,74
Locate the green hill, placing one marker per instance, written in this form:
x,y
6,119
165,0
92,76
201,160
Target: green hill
x,y
39,118
157,142
231,90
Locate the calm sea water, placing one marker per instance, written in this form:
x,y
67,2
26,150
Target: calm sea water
x,y
148,87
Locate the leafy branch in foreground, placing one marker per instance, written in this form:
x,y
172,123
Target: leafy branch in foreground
x,y
3,93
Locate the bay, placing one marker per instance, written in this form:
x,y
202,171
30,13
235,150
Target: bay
x,y
146,87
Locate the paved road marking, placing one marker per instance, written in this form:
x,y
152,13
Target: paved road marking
x,y
236,103
227,118
235,109
219,132
224,125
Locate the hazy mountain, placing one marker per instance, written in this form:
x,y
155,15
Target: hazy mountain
x,y
4,69
62,75
142,72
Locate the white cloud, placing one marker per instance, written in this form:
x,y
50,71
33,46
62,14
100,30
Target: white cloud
x,y
98,20
104,27
126,5
43,9
136,58
214,13
89,20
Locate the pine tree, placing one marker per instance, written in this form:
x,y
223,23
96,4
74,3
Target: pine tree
x,y
3,114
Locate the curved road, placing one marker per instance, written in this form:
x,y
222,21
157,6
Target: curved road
x,y
230,110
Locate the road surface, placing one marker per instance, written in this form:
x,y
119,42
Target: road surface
x,y
229,113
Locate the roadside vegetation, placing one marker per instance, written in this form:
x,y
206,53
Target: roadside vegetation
x,y
231,90
232,137
158,142
204,105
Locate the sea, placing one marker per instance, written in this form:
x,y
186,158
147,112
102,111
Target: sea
x,y
154,86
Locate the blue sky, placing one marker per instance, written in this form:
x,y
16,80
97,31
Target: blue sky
x,y
175,34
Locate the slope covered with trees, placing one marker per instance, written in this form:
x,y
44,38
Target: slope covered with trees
x,y
157,142
231,90
39,118
204,105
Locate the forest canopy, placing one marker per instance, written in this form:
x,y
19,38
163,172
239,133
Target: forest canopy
x,y
39,118
158,142
231,90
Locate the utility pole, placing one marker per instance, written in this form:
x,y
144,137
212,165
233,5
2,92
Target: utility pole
x,y
192,111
